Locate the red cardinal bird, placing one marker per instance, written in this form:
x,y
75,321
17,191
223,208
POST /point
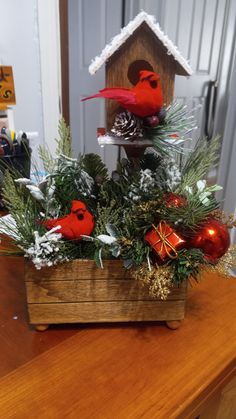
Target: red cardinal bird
x,y
144,99
78,222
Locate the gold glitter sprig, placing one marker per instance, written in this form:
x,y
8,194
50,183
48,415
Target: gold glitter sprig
x,y
159,280
226,262
227,219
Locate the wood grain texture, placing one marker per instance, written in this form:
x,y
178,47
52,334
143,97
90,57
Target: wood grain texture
x,y
227,402
109,311
90,294
137,371
93,290
85,269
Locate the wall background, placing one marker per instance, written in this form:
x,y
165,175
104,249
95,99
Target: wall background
x,y
28,42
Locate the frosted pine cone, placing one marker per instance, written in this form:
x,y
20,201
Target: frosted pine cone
x,y
127,126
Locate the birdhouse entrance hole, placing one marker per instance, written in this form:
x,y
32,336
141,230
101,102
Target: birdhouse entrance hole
x,y
135,67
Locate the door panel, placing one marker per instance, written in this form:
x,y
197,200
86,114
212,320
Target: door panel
x,y
197,28
92,23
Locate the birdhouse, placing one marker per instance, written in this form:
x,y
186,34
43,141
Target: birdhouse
x,y
141,45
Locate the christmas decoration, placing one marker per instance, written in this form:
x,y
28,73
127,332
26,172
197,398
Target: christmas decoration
x,y
152,121
72,226
127,126
173,119
161,115
226,263
42,252
159,280
157,201
147,205
150,204
144,99
172,199
164,240
213,239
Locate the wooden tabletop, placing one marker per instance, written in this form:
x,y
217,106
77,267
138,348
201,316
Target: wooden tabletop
x,y
115,371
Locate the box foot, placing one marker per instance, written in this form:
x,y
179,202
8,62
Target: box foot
x,y
41,327
173,324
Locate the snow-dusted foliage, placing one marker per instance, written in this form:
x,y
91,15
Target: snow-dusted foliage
x,y
147,182
44,252
173,175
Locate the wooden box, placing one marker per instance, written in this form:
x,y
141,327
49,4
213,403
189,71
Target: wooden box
x,y
79,292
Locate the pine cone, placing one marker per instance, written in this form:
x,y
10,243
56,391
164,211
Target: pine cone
x,y
127,126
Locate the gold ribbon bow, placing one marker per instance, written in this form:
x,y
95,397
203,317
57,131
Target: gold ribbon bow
x,y
163,239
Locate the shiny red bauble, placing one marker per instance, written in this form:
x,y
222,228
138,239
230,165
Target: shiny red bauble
x,y
213,239
172,199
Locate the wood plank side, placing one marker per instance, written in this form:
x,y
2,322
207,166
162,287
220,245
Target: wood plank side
x,y
93,290
77,269
94,312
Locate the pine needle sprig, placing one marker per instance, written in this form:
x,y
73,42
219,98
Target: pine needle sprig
x,y
200,161
63,147
47,159
76,250
188,218
23,209
188,264
71,182
174,131
94,166
64,144
151,161
109,214
11,196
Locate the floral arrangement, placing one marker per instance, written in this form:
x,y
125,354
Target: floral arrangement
x,y
157,213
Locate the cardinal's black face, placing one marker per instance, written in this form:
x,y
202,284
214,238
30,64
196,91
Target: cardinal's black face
x,y
80,214
151,77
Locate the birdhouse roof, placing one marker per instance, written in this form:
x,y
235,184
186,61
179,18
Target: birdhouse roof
x,y
128,31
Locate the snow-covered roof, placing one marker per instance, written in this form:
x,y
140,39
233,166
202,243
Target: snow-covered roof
x,y
127,31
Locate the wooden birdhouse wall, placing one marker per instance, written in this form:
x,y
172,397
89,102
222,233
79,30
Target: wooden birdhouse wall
x,y
142,49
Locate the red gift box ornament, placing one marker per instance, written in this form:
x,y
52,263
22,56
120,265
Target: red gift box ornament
x,y
164,240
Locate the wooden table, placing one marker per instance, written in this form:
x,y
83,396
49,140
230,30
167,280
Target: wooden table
x,y
115,371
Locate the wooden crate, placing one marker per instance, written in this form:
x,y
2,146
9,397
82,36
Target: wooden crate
x,y
79,292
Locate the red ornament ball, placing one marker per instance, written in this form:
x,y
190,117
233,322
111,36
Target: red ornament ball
x,y
172,199
213,239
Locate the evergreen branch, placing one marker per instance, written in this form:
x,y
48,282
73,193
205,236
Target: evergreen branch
x,y
109,214
24,210
150,161
12,199
94,166
64,141
200,161
188,264
173,132
47,159
188,218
